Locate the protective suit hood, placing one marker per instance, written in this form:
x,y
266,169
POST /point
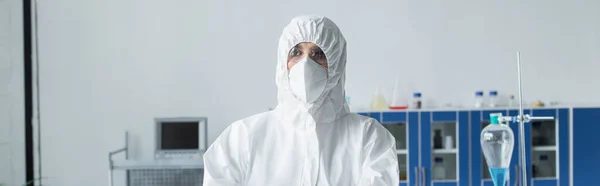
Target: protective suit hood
x,y
323,32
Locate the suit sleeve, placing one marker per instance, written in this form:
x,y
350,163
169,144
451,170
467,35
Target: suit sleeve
x,y
380,161
225,160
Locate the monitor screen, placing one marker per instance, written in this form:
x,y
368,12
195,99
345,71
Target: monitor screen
x,y
179,135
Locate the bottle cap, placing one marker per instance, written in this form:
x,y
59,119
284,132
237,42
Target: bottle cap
x,y
417,95
493,93
479,93
544,157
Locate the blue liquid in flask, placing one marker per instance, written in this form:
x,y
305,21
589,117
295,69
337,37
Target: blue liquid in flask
x,y
497,143
499,176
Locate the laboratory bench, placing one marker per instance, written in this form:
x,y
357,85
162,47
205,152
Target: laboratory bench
x,y
442,147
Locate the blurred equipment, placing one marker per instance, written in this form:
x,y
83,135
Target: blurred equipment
x,y
180,137
538,103
178,158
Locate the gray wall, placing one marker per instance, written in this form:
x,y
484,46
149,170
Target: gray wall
x,y
12,110
110,66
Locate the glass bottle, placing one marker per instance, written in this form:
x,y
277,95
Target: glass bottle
x,y
417,100
478,99
497,143
437,139
439,173
493,98
545,169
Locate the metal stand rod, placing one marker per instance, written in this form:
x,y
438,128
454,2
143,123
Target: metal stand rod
x,y
539,118
112,153
521,125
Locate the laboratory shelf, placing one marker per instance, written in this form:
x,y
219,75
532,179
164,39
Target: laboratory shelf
x,y
545,148
401,151
444,183
445,151
560,150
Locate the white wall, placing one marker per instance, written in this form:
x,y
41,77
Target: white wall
x,y
12,109
110,66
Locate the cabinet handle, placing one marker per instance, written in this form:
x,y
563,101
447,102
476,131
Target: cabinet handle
x,y
517,176
423,176
417,178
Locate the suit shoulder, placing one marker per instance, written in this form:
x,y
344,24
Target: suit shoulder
x,y
254,120
363,121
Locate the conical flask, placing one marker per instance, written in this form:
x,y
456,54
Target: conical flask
x,y
398,102
378,102
497,143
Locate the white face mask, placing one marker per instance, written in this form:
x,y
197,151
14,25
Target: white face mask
x,y
307,80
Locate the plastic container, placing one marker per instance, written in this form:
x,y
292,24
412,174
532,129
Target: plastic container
x,y
439,173
478,99
417,101
493,98
497,144
448,142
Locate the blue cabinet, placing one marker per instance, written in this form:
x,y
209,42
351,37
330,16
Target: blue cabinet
x,y
424,137
448,141
445,142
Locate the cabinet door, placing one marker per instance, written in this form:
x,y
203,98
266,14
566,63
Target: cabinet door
x,y
585,159
541,142
404,127
443,142
413,145
564,147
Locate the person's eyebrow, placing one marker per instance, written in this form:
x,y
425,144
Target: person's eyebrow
x,y
316,49
298,46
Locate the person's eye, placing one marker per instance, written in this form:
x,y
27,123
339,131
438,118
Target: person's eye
x,y
318,55
294,52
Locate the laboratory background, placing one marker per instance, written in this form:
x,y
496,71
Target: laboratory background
x,y
89,88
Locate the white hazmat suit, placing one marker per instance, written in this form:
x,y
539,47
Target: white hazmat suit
x,y
306,140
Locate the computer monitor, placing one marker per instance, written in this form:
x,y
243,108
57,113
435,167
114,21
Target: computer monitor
x,y
181,137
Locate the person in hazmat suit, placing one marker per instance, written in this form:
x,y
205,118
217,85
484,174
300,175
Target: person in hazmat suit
x,y
310,138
